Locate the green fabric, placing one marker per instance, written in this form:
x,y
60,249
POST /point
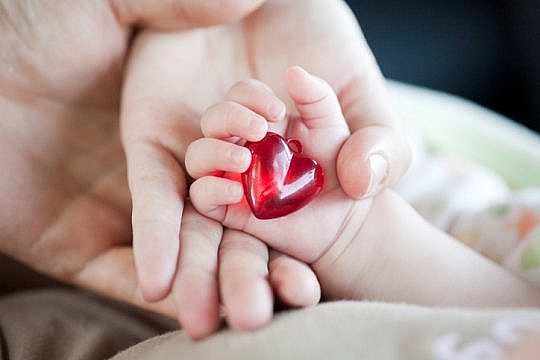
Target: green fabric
x,y
453,125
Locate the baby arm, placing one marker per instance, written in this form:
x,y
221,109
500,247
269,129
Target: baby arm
x,y
377,249
396,255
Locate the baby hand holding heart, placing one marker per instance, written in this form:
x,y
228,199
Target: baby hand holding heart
x,y
283,188
320,221
279,179
357,248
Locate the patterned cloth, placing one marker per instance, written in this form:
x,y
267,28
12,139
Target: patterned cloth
x,y
474,205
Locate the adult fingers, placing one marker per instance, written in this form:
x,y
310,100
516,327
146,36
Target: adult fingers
x,y
157,186
195,290
246,294
113,274
156,128
181,14
293,281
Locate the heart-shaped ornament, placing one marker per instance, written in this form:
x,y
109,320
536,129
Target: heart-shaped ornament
x,y
280,179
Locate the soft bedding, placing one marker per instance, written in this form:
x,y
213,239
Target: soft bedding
x,y
475,175
477,207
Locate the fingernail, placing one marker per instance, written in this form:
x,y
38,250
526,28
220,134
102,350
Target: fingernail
x,y
239,156
276,111
379,171
302,71
258,127
236,191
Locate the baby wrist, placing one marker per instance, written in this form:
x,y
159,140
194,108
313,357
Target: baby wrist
x,y
342,265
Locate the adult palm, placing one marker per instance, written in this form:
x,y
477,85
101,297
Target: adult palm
x,y
65,205
173,78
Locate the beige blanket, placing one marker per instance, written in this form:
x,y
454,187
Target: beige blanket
x,y
69,324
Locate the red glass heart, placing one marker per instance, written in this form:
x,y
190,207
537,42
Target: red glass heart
x,y
280,179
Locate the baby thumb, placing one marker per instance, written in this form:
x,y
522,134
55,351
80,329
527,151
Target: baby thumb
x,y
314,99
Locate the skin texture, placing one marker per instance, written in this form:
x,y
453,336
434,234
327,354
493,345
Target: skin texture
x,y
316,122
173,78
66,204
377,248
529,348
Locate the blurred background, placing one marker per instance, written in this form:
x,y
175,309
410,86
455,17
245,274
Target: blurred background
x,y
487,51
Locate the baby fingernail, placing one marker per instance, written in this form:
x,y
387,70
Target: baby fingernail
x,y
379,171
236,191
239,156
258,125
276,111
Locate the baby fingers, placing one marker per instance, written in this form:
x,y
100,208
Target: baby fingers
x,y
206,155
246,294
258,97
293,282
230,119
248,106
314,99
209,194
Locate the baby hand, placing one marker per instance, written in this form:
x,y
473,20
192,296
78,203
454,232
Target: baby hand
x,y
319,126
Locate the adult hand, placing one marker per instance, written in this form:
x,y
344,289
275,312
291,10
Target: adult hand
x,y
65,205
173,78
